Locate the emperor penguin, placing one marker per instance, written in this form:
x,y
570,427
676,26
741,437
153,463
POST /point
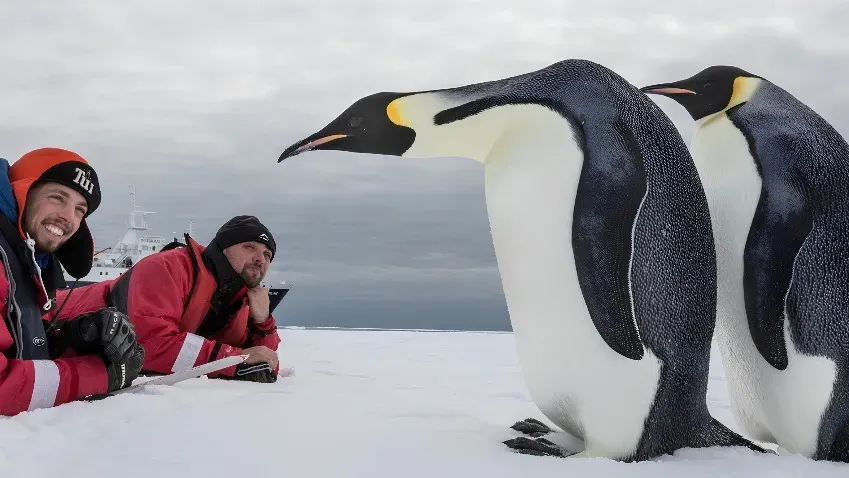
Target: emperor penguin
x,y
776,175
602,238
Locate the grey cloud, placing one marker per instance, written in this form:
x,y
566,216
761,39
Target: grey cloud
x,y
192,102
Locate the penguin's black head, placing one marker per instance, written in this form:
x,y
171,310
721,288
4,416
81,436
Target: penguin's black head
x,y
370,125
708,92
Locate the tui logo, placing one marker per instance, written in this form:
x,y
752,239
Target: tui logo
x,y
83,178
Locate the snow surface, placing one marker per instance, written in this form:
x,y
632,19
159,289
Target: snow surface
x,y
361,403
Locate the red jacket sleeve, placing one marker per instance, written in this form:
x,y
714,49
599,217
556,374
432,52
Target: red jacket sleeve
x,y
156,291
74,302
264,333
32,384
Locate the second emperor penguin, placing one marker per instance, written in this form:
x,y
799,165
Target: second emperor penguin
x,y
776,176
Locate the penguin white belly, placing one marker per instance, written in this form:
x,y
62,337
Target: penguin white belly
x,y
770,405
574,377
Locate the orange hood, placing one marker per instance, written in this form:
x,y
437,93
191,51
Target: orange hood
x,y
69,169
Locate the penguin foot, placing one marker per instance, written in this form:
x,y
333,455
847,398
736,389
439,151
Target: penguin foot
x,y
539,447
532,427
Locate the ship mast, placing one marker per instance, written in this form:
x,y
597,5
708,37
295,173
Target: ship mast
x,y
130,244
136,212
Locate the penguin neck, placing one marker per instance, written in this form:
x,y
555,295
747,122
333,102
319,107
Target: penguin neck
x,y
475,137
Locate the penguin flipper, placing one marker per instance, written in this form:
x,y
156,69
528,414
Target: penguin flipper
x,y
779,228
606,206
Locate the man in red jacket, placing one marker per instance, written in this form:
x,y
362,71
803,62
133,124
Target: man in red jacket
x,y
192,305
44,200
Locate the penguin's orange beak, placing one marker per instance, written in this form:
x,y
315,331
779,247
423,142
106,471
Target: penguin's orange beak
x,y
309,144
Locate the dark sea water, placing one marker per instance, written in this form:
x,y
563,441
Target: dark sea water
x,y
434,313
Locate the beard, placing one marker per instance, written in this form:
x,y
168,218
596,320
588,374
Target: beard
x,y
252,276
47,242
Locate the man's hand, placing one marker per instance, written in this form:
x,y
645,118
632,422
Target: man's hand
x,y
258,367
259,303
106,331
125,369
260,354
117,334
260,372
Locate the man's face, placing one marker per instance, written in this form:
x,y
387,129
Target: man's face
x,y
250,260
52,215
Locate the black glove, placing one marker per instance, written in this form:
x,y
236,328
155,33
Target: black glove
x,y
257,372
107,331
123,371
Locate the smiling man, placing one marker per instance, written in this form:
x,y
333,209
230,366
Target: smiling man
x,y
45,197
193,304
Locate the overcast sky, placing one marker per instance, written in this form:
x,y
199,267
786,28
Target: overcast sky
x,y
192,102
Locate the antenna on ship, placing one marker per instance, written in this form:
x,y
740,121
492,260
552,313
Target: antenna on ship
x,y
135,211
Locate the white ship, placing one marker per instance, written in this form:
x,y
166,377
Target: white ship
x,y
111,262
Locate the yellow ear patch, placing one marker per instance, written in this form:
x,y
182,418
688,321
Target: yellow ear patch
x,y
743,89
393,111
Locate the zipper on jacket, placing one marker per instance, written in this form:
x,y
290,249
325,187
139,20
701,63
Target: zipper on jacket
x,y
13,310
31,244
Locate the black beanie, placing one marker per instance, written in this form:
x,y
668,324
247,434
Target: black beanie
x,y
244,229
